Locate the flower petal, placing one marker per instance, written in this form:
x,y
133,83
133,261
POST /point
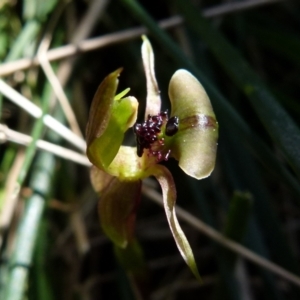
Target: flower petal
x,y
117,210
166,181
109,119
101,107
195,143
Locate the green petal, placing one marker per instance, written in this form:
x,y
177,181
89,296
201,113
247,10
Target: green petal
x,y
195,143
117,210
101,107
109,119
166,181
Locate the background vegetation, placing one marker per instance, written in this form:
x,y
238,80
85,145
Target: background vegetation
x,y
247,57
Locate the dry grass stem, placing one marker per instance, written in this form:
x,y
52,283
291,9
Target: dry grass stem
x,y
123,36
225,242
23,139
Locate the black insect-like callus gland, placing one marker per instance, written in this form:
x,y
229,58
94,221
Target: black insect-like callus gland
x,y
172,126
150,135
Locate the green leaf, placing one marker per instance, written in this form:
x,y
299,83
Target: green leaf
x,y
133,262
237,221
132,258
167,184
195,143
117,210
109,119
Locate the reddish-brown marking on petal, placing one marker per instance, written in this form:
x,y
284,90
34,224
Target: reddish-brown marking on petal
x,y
200,121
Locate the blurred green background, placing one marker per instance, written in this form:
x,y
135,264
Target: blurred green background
x,y
246,55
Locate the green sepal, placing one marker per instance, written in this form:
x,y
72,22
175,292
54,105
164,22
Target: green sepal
x,y
117,210
165,179
153,93
195,143
109,119
101,107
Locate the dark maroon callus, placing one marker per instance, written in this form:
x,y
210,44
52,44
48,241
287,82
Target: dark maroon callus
x,y
146,133
172,126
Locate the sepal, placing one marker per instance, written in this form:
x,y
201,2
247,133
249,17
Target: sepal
x,y
168,187
110,117
117,210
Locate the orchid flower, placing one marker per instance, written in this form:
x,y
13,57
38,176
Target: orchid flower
x,y
189,135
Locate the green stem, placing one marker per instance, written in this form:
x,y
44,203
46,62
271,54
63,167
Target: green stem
x,y
28,228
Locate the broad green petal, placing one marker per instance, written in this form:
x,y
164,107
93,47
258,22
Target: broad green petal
x,y
104,148
109,119
195,143
101,107
167,184
117,210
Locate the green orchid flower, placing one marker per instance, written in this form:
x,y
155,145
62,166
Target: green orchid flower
x,y
189,135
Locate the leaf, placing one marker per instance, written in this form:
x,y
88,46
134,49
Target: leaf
x,y
167,184
117,210
109,119
133,262
195,143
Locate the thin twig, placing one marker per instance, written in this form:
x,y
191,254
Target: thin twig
x,y
36,112
60,94
123,36
59,79
82,31
225,242
56,86
7,134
